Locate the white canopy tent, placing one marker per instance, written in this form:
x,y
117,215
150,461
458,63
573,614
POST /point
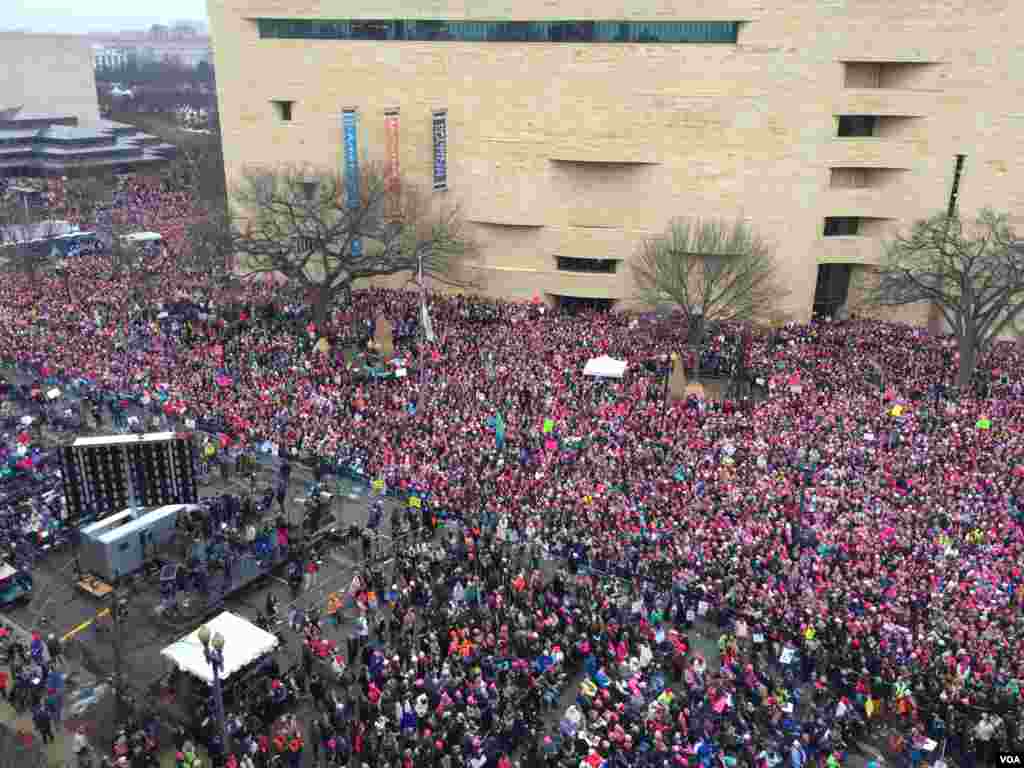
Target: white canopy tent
x,y
605,367
244,642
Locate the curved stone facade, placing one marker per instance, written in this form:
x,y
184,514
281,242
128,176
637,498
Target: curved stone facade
x,y
583,149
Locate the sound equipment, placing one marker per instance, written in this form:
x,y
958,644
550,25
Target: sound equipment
x,y
104,475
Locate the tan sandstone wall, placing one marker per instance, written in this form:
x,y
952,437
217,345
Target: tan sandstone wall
x,y
682,130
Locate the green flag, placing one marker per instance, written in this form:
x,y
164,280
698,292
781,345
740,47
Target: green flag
x,y
499,430
549,426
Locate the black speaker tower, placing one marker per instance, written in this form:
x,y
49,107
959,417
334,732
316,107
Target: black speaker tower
x,y
104,475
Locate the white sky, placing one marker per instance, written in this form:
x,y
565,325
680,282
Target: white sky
x,y
71,16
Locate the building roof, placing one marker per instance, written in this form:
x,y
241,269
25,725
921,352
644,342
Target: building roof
x,y
68,133
29,150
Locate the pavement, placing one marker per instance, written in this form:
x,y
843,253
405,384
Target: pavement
x,y
57,606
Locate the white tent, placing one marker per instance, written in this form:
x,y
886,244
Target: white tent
x,y
244,642
605,367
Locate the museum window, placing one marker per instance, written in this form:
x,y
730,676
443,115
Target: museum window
x,y
841,226
903,75
372,30
438,30
594,266
283,110
857,126
864,178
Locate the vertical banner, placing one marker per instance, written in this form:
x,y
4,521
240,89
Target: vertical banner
x,y
392,168
348,128
441,149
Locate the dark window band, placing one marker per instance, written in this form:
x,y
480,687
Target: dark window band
x,y
502,31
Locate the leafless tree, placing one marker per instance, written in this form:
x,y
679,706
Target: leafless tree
x,y
86,195
711,271
972,271
210,246
306,226
199,168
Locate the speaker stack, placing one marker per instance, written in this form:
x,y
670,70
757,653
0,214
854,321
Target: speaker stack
x,y
102,475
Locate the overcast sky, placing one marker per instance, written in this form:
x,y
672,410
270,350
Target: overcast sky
x,y
76,16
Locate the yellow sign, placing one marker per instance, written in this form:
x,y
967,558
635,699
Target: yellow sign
x,y
85,625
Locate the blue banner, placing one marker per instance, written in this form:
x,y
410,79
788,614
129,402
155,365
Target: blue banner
x,y
348,126
440,150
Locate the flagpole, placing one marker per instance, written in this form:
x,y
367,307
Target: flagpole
x,y
423,329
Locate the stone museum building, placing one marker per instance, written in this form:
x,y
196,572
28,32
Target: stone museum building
x,y
568,132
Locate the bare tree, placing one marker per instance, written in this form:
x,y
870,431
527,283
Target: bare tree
x,y
210,246
712,271
199,168
304,225
972,271
86,195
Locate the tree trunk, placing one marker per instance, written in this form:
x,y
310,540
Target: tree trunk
x,y
697,328
320,308
968,347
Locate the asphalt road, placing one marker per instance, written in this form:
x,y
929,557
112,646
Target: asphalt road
x,y
58,606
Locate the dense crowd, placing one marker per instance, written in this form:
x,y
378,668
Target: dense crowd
x,y
871,537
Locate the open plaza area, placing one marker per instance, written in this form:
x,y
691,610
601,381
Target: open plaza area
x,y
825,568
493,387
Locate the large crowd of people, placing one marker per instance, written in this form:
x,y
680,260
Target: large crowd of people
x,y
864,539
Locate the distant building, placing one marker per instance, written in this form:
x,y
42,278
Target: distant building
x,y
49,113
113,53
183,30
109,58
41,74
33,145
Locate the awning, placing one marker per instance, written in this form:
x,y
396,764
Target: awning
x,y
244,643
605,367
852,260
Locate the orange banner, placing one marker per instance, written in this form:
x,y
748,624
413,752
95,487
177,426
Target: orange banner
x,y
392,169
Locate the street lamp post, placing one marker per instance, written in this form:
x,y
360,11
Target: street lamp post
x,y
213,648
